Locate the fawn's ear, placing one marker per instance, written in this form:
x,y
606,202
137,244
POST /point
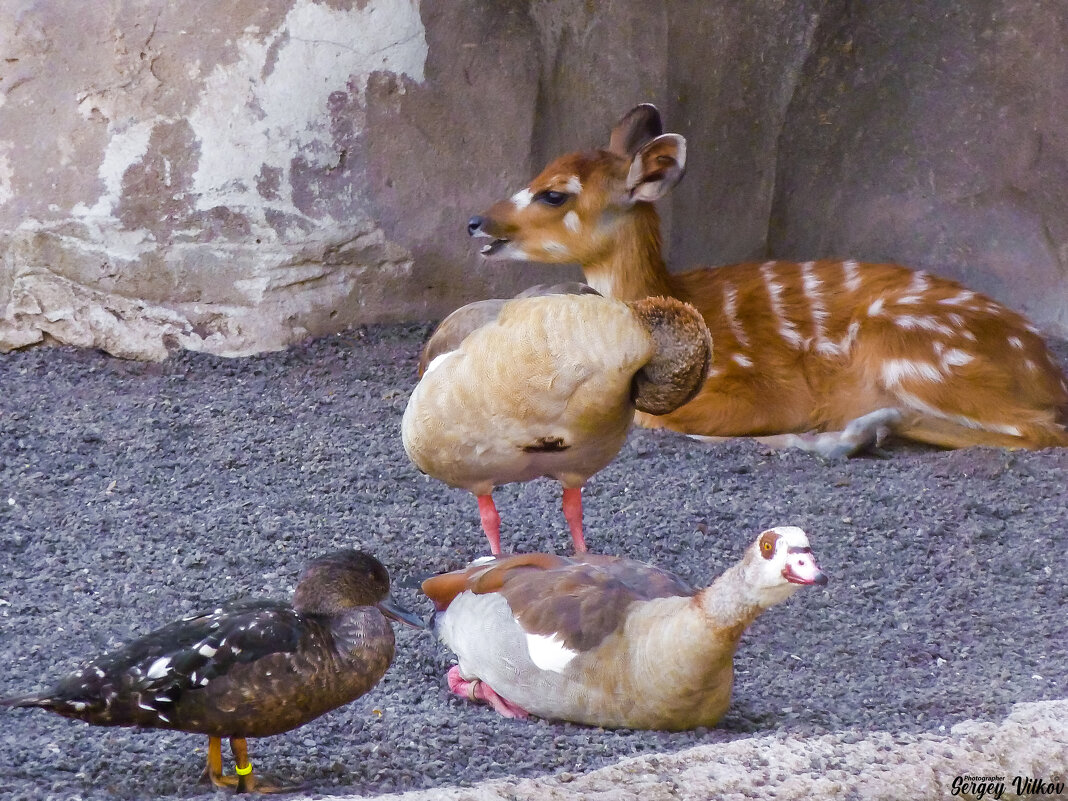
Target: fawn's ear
x,y
657,166
637,127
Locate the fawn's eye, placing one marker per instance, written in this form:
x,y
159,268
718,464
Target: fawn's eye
x,y
552,198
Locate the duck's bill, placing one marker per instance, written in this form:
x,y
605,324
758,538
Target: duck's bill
x,y
394,611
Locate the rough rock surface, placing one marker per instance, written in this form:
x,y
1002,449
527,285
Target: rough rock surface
x,y
1032,742
235,177
132,493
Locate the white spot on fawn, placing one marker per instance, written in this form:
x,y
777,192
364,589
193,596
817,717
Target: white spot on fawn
x,y
955,357
962,297
897,370
522,198
830,349
572,222
549,653
876,307
573,185
911,322
742,361
556,248
850,337
1016,342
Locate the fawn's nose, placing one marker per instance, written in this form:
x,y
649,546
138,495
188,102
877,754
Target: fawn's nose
x,y
474,225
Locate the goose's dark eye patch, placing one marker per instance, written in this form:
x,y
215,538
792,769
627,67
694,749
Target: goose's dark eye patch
x,y
551,197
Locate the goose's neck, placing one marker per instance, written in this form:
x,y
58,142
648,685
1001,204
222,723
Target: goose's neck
x,y
730,604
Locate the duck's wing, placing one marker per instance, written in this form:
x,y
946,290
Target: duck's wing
x,y
139,683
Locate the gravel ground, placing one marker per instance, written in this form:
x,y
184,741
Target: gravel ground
x,y
132,493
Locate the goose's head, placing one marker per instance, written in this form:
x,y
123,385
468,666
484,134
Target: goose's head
x,y
779,562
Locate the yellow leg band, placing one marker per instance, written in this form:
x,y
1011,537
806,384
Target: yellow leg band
x,y
245,771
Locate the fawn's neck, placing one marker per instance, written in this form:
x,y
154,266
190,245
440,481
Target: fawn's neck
x,y
634,268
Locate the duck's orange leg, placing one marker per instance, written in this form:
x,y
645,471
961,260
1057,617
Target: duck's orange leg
x,y
243,781
213,768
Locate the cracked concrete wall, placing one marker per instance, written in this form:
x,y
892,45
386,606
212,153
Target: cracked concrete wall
x,y
235,177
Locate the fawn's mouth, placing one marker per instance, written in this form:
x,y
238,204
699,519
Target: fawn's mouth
x,y
494,246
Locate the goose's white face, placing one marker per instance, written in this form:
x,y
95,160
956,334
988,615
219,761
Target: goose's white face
x,y
785,561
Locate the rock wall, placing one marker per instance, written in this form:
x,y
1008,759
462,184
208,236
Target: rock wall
x,y
235,177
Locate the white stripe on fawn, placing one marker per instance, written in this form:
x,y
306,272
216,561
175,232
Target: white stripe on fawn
x,y
730,311
851,275
810,285
787,329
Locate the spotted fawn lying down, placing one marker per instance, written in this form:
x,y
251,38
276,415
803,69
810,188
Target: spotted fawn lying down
x,y
843,347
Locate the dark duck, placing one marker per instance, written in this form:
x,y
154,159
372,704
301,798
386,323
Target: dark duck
x,y
251,668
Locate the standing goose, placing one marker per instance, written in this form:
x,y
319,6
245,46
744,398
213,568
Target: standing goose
x,y
607,641
246,668
547,386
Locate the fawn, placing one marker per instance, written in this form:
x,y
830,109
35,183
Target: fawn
x,y
828,356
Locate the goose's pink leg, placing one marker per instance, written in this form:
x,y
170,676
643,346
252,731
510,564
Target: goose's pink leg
x,y
491,522
478,690
573,515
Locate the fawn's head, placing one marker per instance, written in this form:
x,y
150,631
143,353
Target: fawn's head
x,y
572,211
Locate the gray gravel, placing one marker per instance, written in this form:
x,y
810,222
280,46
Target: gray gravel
x,y
133,493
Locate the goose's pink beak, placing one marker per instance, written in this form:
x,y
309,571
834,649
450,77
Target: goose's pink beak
x,y
802,568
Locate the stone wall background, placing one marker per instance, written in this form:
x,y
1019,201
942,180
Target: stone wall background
x,y
233,177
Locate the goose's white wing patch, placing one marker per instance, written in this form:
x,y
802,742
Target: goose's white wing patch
x,y
549,653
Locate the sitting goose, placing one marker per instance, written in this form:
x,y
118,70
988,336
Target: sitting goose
x,y
547,385
246,668
607,641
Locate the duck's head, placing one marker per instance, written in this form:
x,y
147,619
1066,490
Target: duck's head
x,y
345,580
779,562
